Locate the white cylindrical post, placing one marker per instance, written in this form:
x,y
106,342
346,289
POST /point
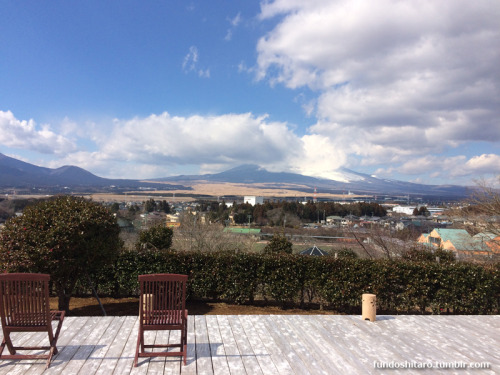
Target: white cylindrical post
x,y
369,307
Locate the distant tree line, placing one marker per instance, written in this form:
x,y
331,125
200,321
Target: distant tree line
x,y
288,213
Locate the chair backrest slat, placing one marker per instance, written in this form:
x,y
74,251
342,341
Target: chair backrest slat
x,y
24,299
162,298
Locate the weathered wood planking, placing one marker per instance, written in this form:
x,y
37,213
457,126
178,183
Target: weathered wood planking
x,y
272,344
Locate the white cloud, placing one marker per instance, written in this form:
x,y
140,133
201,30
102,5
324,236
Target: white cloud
x,y
190,59
228,140
396,81
452,168
234,22
190,63
27,135
486,163
154,145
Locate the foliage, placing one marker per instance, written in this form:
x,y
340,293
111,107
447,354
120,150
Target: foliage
x,y
158,237
67,237
400,286
287,213
429,255
150,205
278,245
421,211
347,253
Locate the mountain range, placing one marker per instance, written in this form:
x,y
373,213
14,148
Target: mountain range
x,y
18,174
347,181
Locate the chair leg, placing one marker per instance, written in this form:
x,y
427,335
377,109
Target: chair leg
x,y
2,347
184,342
53,350
140,344
8,341
58,330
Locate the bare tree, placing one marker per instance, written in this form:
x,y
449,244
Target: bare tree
x,y
379,242
195,234
485,207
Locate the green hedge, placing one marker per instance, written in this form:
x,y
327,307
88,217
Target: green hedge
x,y
400,286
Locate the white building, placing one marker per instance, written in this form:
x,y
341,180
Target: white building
x,y
407,210
253,200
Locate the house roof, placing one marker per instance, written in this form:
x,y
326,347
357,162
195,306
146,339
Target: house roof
x,y
462,240
485,236
453,235
314,251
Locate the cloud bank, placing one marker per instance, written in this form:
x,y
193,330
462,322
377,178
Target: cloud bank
x,y
402,79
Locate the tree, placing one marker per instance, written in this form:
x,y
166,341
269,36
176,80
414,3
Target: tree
x,y
240,218
485,207
421,211
164,206
67,237
195,234
278,244
115,207
150,205
158,237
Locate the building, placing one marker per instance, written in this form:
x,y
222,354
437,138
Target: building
x,y
314,251
447,239
173,221
253,200
408,210
461,242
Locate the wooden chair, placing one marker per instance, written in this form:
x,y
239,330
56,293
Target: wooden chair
x,y
162,306
24,307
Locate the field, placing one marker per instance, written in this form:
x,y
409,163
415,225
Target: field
x,y
220,190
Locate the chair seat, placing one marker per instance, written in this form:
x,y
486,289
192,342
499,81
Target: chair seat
x,y
160,317
31,319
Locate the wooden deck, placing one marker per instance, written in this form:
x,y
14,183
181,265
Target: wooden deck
x,y
277,344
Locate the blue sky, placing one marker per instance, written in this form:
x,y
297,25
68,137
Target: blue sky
x,y
141,89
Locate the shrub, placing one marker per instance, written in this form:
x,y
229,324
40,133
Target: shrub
x,y
158,237
278,245
347,254
67,237
429,255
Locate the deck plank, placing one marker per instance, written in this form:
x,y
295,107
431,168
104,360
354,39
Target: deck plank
x,y
320,343
247,354
115,350
126,361
282,340
217,351
277,356
264,344
72,357
190,367
263,356
204,359
102,346
233,355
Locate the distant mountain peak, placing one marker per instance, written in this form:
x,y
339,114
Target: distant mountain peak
x,y
16,173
